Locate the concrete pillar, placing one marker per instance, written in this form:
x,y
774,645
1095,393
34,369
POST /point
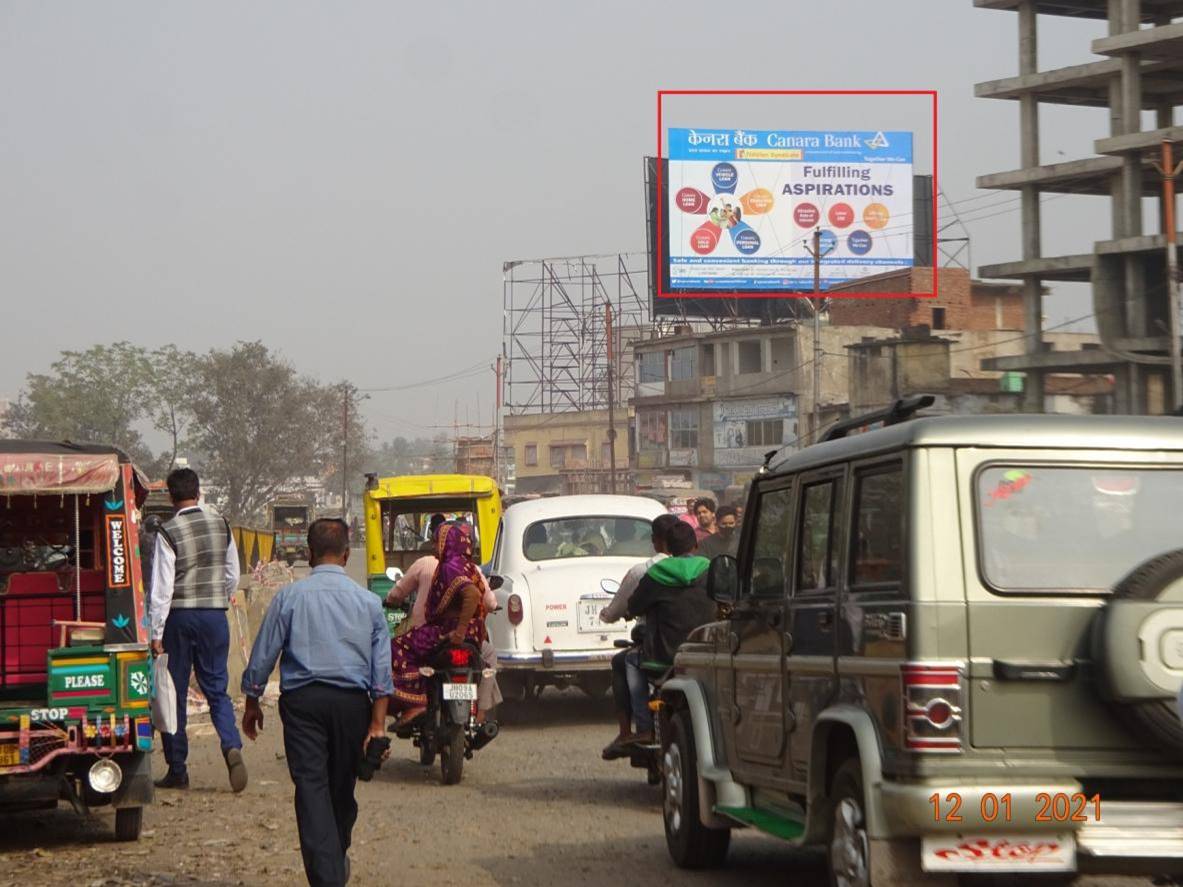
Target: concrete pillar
x,y
1130,193
1029,151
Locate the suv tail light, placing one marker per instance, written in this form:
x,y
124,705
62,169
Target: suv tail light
x,y
932,697
513,609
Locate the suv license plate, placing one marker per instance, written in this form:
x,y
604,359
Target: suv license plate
x,y
460,692
1046,852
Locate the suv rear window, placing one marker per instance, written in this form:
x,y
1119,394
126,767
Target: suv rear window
x,y
1060,528
878,530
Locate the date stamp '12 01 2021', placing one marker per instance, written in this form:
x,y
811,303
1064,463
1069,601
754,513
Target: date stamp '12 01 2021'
x,y
1051,807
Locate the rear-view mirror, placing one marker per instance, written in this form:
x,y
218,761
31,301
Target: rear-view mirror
x,y
609,586
496,582
394,574
723,580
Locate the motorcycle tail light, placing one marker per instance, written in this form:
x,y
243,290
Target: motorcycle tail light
x,y
459,657
459,679
933,717
514,610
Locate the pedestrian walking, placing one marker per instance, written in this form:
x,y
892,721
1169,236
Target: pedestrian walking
x,y
330,637
194,574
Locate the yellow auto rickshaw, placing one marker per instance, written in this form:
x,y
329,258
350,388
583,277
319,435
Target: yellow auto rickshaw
x,y
398,512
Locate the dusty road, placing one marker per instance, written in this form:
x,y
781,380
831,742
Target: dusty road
x,y
537,807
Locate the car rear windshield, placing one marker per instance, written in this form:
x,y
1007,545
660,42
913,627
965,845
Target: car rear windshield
x,y
567,537
1059,528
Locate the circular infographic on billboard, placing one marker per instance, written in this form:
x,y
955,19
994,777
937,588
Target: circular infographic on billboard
x,y
859,242
876,216
806,215
704,239
746,240
724,177
691,200
725,211
841,215
828,241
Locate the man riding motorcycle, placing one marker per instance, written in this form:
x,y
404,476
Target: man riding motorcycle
x,y
672,597
630,688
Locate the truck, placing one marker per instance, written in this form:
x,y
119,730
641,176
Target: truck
x,y
290,518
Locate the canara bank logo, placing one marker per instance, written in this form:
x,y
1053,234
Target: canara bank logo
x,y
880,141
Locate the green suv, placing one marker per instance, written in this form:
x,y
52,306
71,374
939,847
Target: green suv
x,y
950,645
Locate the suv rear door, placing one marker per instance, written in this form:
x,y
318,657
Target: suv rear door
x,y
1044,540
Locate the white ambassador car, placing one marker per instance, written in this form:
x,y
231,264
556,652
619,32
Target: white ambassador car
x,y
549,567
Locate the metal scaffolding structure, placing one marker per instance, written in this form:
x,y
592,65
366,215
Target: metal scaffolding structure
x,y
554,338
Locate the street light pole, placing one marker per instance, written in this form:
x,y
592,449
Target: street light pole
x,y
816,304
345,453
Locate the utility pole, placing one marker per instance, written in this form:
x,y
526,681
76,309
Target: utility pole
x,y
611,398
816,304
345,452
497,424
1168,170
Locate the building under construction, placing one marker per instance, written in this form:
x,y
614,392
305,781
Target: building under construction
x,y
1132,272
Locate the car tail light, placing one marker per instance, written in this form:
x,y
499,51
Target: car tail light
x,y
932,707
459,657
513,610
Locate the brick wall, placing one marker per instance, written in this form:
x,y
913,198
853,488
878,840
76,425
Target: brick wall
x,y
967,305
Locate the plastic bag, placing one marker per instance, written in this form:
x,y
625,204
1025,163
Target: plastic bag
x,y
164,696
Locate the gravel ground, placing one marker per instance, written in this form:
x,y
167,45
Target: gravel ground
x,y
536,807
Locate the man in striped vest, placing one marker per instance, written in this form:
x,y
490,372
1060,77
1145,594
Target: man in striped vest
x,y
194,573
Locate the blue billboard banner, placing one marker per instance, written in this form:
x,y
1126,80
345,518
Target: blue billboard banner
x,y
772,146
743,206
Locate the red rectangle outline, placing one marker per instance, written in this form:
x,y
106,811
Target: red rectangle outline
x,y
798,294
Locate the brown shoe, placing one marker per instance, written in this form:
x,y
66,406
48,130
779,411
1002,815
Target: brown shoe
x,y
236,767
617,748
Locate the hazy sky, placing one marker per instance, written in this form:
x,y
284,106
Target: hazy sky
x,y
344,179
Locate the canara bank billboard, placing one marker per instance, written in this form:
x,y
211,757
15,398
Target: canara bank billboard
x,y
743,205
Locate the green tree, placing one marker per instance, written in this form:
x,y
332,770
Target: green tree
x,y
174,385
92,396
257,425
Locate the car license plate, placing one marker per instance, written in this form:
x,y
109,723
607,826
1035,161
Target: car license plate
x,y
460,692
10,754
588,615
1048,852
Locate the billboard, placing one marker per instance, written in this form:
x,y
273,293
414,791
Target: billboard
x,y
740,206
745,430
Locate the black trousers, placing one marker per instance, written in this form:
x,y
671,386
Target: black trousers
x,y
323,731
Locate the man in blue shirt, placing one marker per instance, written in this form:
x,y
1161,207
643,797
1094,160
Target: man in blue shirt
x,y
333,646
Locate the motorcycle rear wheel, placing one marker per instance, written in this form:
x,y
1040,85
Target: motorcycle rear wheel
x,y
452,757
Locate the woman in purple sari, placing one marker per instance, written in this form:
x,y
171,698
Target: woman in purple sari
x,y
454,613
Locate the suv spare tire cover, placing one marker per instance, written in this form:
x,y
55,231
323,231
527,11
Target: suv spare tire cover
x,y
1138,649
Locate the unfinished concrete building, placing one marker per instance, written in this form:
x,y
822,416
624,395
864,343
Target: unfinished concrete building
x,y
1141,70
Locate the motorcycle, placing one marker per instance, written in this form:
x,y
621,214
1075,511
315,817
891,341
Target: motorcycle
x,y
449,727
